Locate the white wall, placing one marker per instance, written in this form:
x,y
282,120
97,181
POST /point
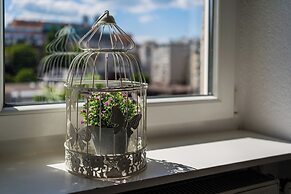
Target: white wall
x,y
263,72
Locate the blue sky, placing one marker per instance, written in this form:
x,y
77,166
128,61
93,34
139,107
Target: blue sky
x,y
159,20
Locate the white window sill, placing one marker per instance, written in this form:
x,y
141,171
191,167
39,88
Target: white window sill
x,y
208,154
61,106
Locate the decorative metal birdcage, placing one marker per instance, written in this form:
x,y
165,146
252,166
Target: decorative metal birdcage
x,y
106,105
61,51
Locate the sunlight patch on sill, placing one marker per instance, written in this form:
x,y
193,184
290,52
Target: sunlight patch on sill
x,y
59,166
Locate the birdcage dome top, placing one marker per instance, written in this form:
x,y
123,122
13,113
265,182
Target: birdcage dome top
x,y
106,35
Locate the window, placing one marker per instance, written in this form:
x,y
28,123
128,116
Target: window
x,y
214,99
169,35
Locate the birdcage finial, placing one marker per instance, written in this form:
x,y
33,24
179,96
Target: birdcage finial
x,y
106,18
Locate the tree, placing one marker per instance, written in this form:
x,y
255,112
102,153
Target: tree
x,y
20,56
25,75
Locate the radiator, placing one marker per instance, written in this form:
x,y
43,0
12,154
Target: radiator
x,y
287,188
242,182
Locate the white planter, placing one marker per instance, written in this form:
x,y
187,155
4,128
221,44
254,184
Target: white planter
x,y
109,143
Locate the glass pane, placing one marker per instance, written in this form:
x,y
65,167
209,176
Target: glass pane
x,y
169,36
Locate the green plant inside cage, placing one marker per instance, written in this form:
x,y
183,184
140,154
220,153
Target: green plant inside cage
x,y
97,110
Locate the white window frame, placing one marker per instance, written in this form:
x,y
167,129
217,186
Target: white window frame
x,y
175,112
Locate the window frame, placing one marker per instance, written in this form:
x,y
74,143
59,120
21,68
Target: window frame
x,y
174,112
2,55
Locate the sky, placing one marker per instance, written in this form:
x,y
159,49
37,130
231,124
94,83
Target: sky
x,y
158,20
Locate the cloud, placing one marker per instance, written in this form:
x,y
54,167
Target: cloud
x,y
186,4
147,18
139,39
73,10
58,10
146,6
8,18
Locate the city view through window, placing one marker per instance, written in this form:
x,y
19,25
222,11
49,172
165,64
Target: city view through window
x,y
169,37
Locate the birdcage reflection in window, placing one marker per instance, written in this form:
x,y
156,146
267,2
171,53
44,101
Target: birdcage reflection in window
x,y
53,68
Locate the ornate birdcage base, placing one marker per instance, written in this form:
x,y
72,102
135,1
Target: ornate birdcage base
x,y
105,166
